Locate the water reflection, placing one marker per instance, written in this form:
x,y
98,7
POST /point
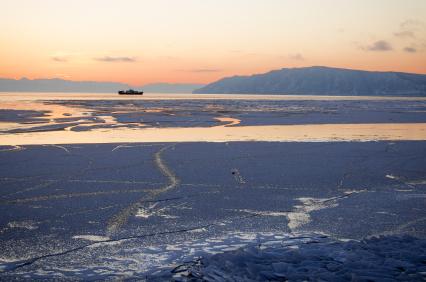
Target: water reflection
x,y
77,120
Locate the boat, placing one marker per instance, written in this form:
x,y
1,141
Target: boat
x,y
130,92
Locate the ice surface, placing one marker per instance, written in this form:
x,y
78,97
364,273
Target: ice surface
x,y
313,259
26,224
93,238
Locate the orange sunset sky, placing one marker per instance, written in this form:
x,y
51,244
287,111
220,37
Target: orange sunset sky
x,y
199,41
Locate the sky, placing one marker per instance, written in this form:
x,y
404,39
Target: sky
x,y
200,41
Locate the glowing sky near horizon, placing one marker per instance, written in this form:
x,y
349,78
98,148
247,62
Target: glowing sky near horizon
x,y
199,41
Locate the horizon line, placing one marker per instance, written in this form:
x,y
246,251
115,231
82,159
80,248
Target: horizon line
x,y
186,83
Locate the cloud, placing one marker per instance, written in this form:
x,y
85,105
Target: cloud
x,y
63,57
60,59
410,28
111,59
410,49
405,34
379,46
296,57
411,23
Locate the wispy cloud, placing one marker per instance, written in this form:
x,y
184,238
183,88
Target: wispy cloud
x,y
296,57
405,34
410,29
412,32
411,23
63,56
112,59
410,49
60,59
380,46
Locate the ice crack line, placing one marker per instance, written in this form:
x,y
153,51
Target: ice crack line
x,y
121,218
32,188
66,196
19,264
131,146
59,147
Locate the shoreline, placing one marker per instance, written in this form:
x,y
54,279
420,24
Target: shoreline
x,y
42,96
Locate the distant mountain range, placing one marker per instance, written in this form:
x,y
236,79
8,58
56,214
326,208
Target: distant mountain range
x,y
61,85
322,81
171,87
299,81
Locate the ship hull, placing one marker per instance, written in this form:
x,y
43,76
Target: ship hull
x,y
130,94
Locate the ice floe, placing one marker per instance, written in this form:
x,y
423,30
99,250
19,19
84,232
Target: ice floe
x,y
26,224
390,176
153,210
92,238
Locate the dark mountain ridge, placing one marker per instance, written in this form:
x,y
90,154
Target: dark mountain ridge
x,y
58,85
322,81
62,85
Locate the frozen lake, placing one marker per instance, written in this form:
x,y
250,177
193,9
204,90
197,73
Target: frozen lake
x,y
102,209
